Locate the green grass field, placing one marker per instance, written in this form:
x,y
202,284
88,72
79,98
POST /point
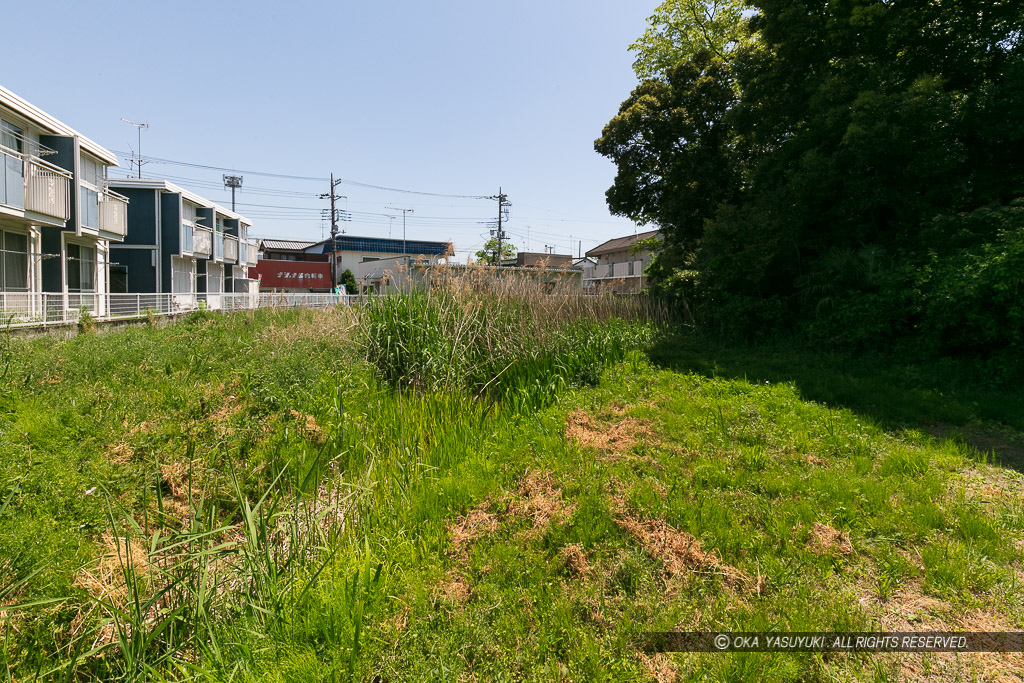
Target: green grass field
x,y
249,497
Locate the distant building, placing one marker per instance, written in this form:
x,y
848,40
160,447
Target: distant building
x,y
58,216
355,253
620,265
180,243
289,250
289,266
539,259
404,272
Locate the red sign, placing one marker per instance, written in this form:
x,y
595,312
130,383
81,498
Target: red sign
x,y
292,274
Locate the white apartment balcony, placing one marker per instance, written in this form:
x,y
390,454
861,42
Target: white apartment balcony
x,y
29,184
251,253
202,242
230,249
113,213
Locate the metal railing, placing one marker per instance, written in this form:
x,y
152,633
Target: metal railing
x,y
31,184
113,213
48,189
202,242
231,249
619,270
34,309
251,253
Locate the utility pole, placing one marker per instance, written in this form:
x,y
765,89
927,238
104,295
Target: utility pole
x,y
234,182
334,231
503,206
405,248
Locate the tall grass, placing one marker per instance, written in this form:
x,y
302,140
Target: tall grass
x,y
509,337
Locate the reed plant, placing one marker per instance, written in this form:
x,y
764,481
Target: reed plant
x,y
516,336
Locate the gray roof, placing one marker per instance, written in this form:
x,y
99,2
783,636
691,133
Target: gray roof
x,y
621,243
286,245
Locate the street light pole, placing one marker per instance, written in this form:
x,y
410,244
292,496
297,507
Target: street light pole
x,y
405,248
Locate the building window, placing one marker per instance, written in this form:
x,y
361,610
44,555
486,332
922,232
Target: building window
x,y
90,208
12,178
81,268
214,278
183,275
118,279
10,136
14,262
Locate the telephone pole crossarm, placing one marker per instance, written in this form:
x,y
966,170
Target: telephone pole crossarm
x,y
334,230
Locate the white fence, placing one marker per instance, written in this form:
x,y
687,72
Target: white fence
x,y
30,309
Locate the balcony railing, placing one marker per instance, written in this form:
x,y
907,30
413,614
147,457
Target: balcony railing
x,y
202,242
251,253
34,309
231,249
113,213
29,183
614,270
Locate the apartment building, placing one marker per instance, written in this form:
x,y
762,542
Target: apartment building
x,y
180,243
58,215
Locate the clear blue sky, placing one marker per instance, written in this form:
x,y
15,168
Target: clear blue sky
x,y
454,97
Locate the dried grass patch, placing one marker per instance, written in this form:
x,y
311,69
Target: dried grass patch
x,y
122,452
308,427
615,439
119,556
680,552
539,500
659,667
826,540
454,588
331,323
471,526
575,560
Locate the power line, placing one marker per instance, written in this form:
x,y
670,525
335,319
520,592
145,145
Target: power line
x,y
355,183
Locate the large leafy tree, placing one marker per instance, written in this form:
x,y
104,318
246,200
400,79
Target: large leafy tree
x,y
806,166
680,29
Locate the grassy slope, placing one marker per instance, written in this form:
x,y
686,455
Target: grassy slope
x,y
748,468
481,544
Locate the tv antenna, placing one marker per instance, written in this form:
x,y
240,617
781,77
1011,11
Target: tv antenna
x,y
140,125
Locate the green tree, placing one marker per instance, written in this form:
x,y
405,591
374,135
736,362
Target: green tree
x,y
803,176
349,281
672,147
488,253
680,29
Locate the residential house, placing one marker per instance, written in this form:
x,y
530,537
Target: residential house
x,y
620,265
289,250
182,244
58,216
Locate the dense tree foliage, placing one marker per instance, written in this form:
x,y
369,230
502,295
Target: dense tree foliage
x,y
489,254
847,167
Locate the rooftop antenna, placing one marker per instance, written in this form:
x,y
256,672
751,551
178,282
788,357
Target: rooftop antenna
x,y
234,182
140,125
